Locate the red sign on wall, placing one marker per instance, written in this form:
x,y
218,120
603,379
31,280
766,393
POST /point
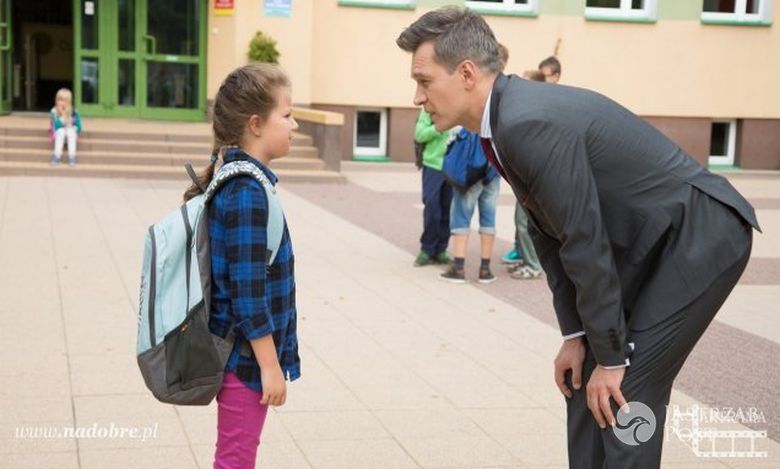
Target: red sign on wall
x,y
223,7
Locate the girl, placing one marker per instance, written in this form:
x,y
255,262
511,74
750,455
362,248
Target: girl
x,y
253,122
65,123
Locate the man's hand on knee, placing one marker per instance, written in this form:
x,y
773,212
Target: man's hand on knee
x,y
602,385
570,357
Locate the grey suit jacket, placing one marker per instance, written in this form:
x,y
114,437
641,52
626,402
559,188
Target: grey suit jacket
x,y
628,227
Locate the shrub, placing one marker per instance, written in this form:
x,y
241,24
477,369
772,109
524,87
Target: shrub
x,y
263,49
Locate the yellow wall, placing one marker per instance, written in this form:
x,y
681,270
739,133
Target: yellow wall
x,y
356,61
227,47
347,56
677,68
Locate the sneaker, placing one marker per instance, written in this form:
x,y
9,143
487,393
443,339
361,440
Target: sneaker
x,y
512,257
443,258
72,161
515,267
453,275
486,276
526,273
422,259
55,161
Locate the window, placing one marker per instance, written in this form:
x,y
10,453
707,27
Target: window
x,y
402,4
518,7
723,142
737,11
627,10
371,134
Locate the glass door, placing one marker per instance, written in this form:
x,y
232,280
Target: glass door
x,y
125,68
172,73
5,56
92,53
141,58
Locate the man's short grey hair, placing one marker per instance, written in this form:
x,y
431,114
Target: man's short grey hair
x,y
458,34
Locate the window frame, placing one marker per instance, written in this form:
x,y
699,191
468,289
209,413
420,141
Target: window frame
x,y
624,13
740,15
392,4
381,150
729,158
507,7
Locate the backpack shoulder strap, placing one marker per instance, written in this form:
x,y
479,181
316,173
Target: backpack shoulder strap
x,y
194,177
275,228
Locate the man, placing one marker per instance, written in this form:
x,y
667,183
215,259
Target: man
x,y
436,194
640,244
551,68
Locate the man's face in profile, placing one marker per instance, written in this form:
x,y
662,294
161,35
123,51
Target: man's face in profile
x,y
440,92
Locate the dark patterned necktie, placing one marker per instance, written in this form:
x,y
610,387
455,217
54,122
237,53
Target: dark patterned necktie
x,y
487,147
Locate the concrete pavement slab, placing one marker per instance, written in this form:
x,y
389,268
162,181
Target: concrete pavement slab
x,y
399,368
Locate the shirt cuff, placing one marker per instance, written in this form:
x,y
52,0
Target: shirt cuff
x,y
574,335
615,367
255,327
625,365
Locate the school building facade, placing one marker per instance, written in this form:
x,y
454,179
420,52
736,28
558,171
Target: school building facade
x,y
705,72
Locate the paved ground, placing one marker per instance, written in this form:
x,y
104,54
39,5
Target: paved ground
x,y
399,368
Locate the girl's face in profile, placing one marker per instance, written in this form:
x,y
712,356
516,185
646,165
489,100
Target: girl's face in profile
x,y
277,132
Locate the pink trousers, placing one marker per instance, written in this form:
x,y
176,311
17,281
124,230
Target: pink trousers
x,y
240,419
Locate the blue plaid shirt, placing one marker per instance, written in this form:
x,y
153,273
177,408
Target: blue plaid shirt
x,y
254,299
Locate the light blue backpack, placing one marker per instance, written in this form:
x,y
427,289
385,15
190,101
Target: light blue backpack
x,y
181,361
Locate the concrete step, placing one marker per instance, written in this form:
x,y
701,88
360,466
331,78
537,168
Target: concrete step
x,y
299,158
147,136
140,145
137,150
17,168
161,136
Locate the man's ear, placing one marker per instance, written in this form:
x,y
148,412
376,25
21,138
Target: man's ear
x,y
467,70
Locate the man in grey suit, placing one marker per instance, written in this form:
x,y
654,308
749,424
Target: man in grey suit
x,y
641,244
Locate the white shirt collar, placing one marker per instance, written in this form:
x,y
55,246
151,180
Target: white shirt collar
x,y
485,131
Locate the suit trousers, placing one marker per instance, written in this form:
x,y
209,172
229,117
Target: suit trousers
x,y
659,354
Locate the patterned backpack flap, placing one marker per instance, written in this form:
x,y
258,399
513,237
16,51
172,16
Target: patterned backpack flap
x,y
275,228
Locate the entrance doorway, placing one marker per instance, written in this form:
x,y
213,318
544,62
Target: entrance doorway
x,y
39,52
124,58
6,64
141,58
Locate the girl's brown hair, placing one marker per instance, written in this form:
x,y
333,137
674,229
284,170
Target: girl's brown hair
x,y
246,91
